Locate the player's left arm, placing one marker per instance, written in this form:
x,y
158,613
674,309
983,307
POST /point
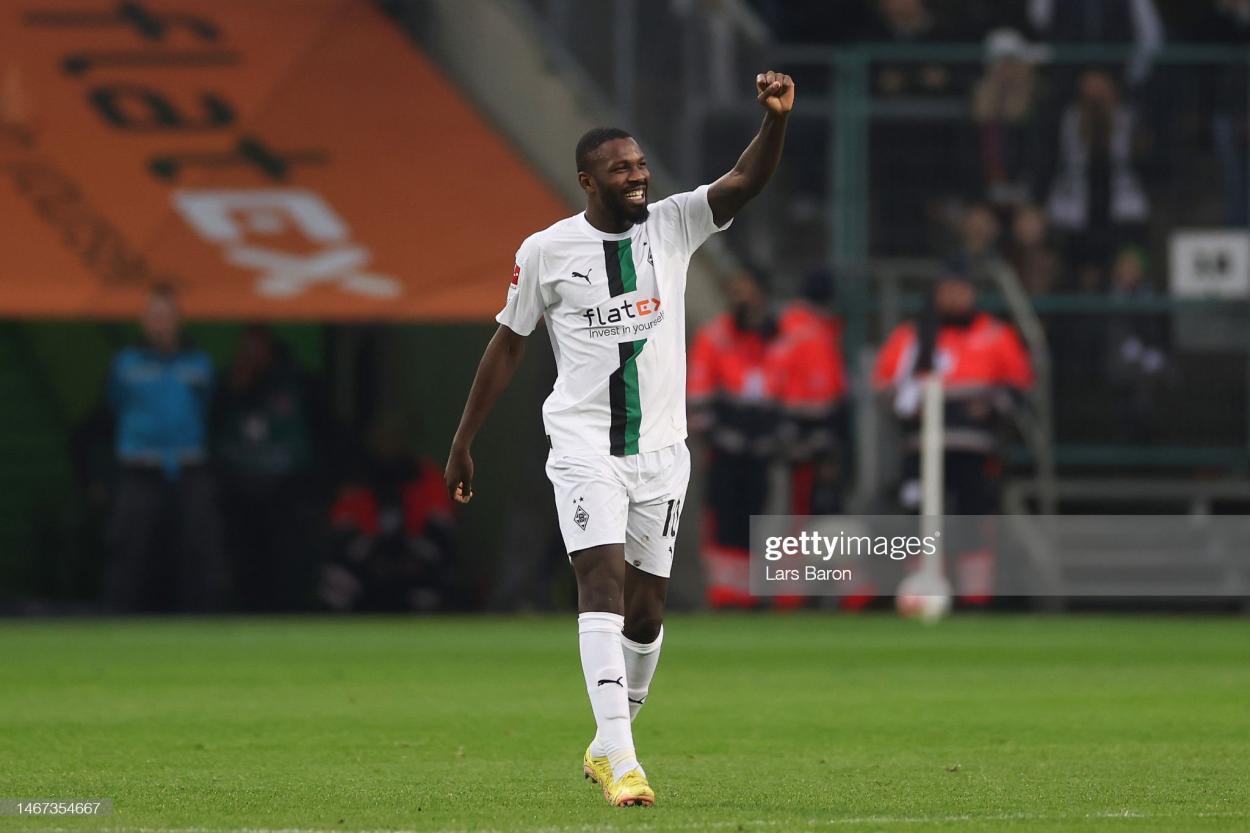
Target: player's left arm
x,y
775,93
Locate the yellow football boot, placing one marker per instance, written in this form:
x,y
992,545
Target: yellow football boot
x,y
630,790
598,770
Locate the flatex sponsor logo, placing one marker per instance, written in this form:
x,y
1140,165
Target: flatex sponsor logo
x,y
628,318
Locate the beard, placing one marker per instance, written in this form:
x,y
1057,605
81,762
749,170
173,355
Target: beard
x,y
631,213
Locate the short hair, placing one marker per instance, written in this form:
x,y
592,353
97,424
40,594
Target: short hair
x,y
592,139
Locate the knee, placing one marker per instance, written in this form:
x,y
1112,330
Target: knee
x,y
600,595
643,628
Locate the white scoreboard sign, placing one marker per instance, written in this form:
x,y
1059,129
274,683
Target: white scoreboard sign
x,y
1210,263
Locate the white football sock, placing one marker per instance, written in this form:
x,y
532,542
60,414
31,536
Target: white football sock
x,y
641,659
603,663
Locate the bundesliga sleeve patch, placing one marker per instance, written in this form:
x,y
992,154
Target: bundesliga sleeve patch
x,y
516,273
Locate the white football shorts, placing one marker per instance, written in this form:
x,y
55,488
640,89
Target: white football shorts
x,y
634,500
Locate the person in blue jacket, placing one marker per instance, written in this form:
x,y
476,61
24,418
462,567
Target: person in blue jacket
x,y
165,531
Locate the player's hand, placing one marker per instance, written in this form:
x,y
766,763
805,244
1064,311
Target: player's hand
x,y
459,475
775,91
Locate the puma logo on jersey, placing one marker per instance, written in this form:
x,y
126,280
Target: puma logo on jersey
x,y
586,276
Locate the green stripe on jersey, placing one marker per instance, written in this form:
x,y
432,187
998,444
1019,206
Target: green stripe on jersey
x,y
624,392
625,254
633,398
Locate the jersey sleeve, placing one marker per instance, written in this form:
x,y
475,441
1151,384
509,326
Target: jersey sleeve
x,y
524,306
691,216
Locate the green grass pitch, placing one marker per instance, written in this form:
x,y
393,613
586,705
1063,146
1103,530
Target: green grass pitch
x,y
799,722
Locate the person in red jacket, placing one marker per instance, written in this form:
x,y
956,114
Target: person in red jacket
x,y
392,534
734,374
813,387
984,369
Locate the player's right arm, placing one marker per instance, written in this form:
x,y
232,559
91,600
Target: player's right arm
x,y
503,355
494,372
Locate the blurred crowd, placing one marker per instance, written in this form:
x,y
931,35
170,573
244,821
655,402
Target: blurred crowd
x,y
1137,22
235,490
768,394
1077,162
1066,146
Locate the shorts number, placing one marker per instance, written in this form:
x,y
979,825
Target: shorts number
x,y
672,519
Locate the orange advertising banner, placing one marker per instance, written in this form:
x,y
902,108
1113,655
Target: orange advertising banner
x,y
285,159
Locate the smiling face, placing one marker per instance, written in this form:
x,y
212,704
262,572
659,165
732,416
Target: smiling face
x,y
616,178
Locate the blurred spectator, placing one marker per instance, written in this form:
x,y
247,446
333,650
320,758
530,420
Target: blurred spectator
x,y
812,391
977,255
914,166
1137,359
734,367
1031,252
1226,86
1103,21
909,21
393,533
984,367
265,432
1005,105
165,532
905,20
1097,197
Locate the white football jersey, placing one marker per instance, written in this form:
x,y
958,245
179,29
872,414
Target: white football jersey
x,y
615,309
